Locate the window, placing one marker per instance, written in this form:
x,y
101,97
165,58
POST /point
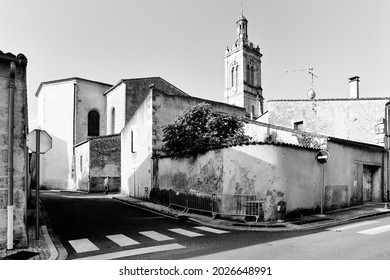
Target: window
x,y
233,82
81,163
93,123
113,120
298,125
237,75
134,144
253,110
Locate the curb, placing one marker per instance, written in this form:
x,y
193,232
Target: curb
x,y
58,251
249,228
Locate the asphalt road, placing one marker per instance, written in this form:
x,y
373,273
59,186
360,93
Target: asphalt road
x,y
98,227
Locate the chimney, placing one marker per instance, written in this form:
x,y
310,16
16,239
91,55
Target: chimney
x,y
354,87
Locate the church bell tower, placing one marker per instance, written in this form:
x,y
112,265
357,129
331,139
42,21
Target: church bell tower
x,y
243,72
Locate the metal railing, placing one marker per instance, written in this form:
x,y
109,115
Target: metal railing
x,y
218,204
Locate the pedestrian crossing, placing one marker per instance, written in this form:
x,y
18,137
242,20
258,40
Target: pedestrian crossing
x,y
370,228
84,245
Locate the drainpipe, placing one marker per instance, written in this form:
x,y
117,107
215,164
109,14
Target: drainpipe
x,y
10,167
387,147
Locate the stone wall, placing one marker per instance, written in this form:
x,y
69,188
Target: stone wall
x,y
105,161
355,119
20,126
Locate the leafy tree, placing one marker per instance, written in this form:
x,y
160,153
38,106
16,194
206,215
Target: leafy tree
x,y
198,128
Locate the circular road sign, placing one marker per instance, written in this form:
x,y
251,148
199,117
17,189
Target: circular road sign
x,y
322,157
45,141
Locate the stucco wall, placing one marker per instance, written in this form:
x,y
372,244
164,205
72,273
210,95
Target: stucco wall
x,y
82,156
105,161
136,163
344,174
90,97
278,172
268,171
55,103
20,121
116,98
355,119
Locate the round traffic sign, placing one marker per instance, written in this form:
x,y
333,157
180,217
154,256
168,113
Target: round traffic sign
x,y
45,141
322,156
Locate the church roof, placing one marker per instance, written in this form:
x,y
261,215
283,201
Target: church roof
x,y
152,80
68,80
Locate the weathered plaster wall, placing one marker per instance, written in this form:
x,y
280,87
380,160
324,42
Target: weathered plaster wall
x,y
355,119
116,98
20,121
90,97
344,174
136,152
55,104
268,171
82,156
105,161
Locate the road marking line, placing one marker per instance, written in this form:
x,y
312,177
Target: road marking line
x,y
135,252
212,230
122,240
185,232
155,235
353,225
83,245
376,230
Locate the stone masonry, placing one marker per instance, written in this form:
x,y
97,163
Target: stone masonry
x,y
20,127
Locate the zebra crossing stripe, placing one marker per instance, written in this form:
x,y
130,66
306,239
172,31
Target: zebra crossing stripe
x,y
185,232
135,252
122,240
212,230
83,245
376,230
353,225
156,236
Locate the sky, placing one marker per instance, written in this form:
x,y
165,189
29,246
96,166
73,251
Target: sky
x,y
184,41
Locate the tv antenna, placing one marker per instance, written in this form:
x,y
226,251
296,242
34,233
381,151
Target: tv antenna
x,y
311,94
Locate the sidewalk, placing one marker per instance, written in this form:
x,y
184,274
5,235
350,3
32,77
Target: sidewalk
x,y
48,247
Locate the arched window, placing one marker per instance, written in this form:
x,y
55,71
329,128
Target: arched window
x,y
252,73
237,75
93,123
233,82
248,74
113,120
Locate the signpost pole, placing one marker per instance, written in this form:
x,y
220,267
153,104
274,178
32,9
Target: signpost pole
x,y
38,132
322,189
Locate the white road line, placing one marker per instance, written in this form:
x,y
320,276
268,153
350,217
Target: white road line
x,y
122,240
185,232
212,230
353,226
376,230
83,245
134,252
156,236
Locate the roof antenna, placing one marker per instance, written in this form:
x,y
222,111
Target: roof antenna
x,y
311,94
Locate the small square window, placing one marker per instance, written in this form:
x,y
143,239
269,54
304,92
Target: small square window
x,y
298,125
